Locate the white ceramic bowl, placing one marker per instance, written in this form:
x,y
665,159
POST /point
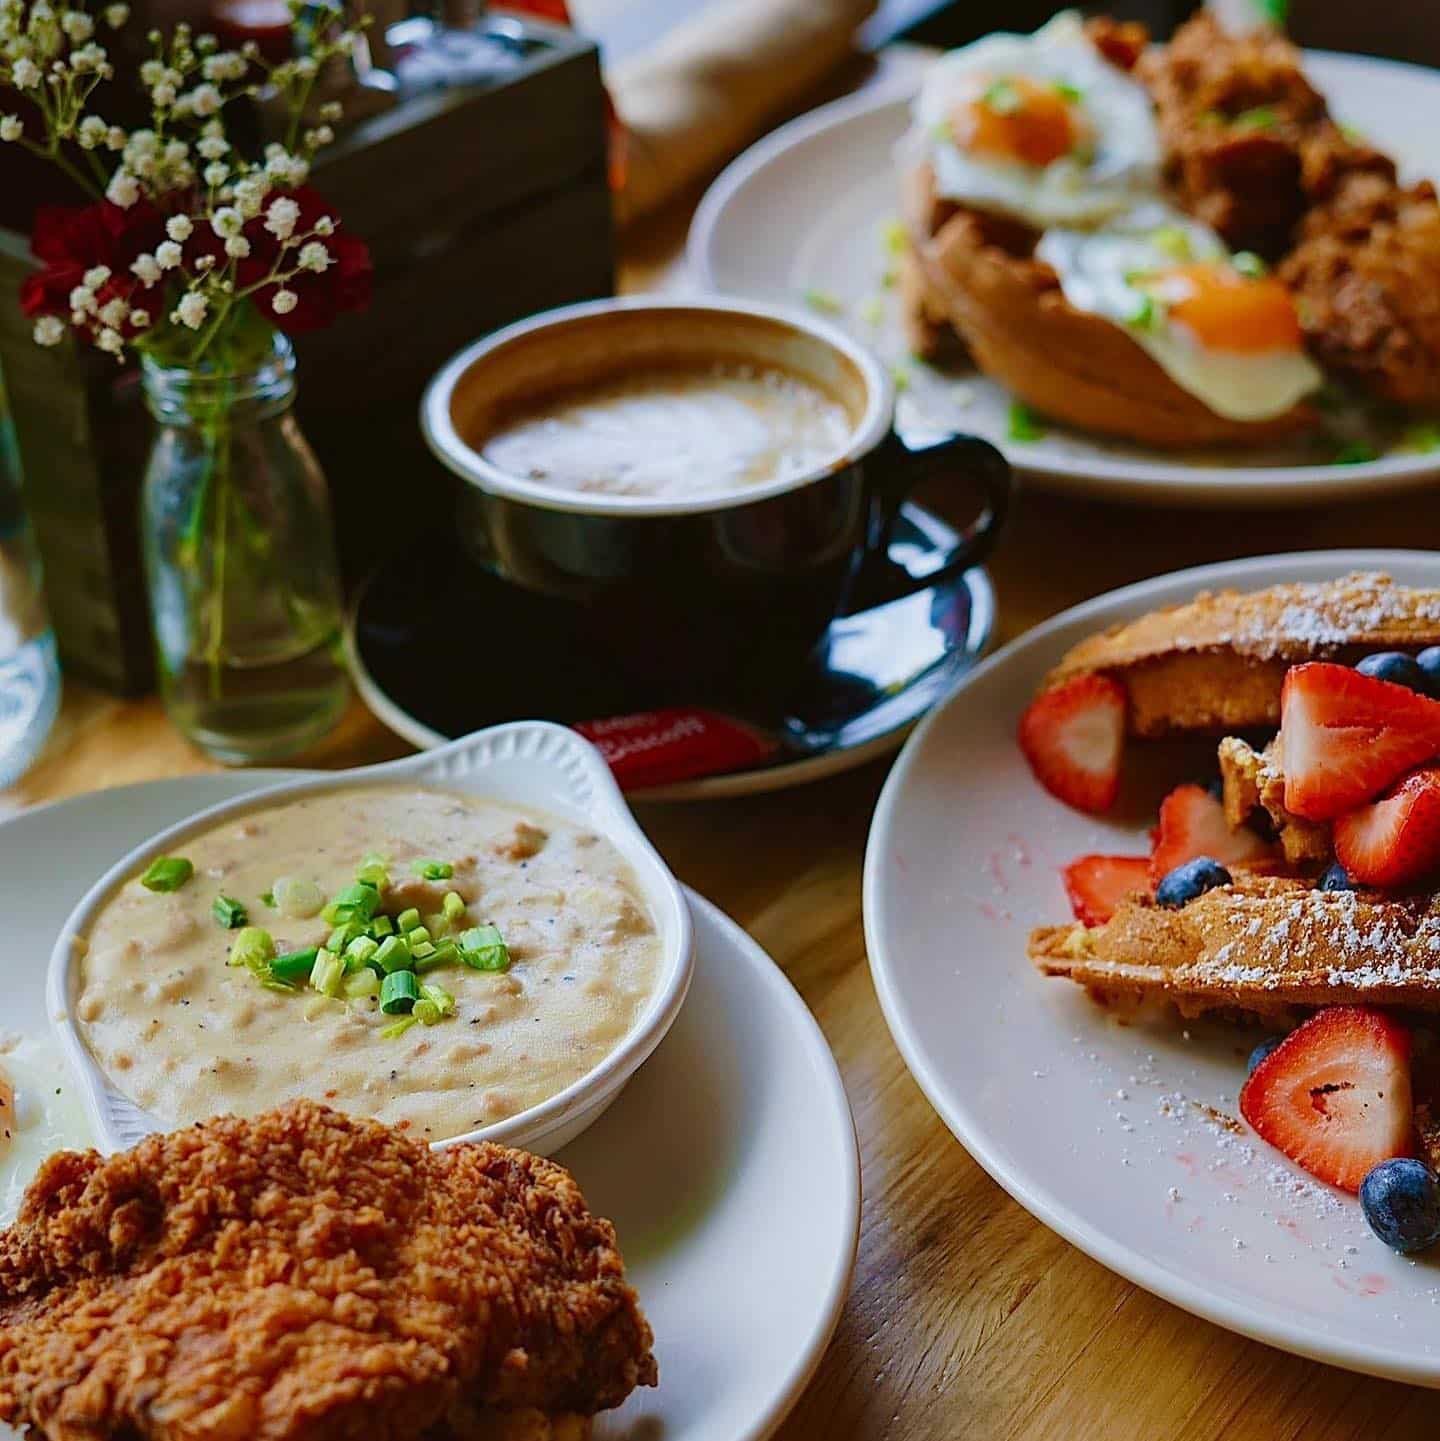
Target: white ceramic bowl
x,y
530,763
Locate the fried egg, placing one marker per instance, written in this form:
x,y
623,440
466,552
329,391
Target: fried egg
x,y
40,1113
1041,128
1216,324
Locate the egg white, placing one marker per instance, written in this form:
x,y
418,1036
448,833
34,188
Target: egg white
x,y
1123,166
48,1117
1093,266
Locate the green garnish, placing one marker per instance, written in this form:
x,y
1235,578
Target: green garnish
x,y
1248,264
1024,425
372,872
398,1028
432,870
440,997
825,301
901,376
381,927
327,974
453,905
362,983
1172,241
355,903
407,920
1146,314
252,948
398,993
1354,136
1424,437
294,965
483,948
1258,117
417,936
1354,452
268,898
296,897
1066,91
442,954
342,935
229,914
359,951
1211,118
894,238
392,955
1275,11
167,873
1002,98
426,1012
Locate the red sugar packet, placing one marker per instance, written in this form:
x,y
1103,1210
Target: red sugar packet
x,y
661,747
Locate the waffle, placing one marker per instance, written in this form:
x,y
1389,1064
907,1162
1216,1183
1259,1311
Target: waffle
x,y
1262,945
1255,780
1217,663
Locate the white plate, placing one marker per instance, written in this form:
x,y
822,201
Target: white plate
x,y
728,1165
1089,1123
804,210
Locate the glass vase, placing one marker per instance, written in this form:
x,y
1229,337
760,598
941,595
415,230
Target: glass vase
x,y
240,560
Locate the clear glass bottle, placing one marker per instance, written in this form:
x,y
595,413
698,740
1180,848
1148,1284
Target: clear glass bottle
x,y
240,559
29,669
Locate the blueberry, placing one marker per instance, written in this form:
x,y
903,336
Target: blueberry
x,y
1192,879
1335,879
1429,662
1261,1051
1216,787
1396,667
1401,1201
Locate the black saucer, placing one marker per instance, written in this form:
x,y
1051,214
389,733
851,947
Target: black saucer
x,y
439,649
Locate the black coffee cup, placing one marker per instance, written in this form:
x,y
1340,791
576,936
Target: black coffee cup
x,y
721,592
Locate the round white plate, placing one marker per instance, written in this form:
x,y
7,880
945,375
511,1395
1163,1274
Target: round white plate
x,y
1101,1129
804,211
728,1165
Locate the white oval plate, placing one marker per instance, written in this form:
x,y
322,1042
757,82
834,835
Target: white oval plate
x,y
728,1164
533,763
1088,1123
804,209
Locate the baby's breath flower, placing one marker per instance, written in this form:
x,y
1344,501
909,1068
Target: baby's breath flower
x,y
227,221
205,99
306,67
284,301
168,254
114,138
191,310
179,227
82,300
331,111
123,189
77,25
212,147
113,313
11,127
204,263
215,174
110,341
25,74
91,132
162,96
116,15
281,217
96,276
206,43
250,193
49,330
227,65
325,226
87,58
176,151
152,72
146,268
237,247
140,319
314,256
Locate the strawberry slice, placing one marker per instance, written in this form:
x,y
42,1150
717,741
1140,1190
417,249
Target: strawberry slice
x,y
1346,736
1192,823
1097,884
1396,839
1072,735
1334,1095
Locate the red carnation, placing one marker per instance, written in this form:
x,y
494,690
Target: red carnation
x,y
71,240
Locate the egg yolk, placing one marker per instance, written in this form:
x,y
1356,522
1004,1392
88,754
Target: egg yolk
x,y
1018,119
1224,310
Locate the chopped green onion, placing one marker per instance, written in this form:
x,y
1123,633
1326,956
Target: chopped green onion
x,y
421,950
416,935
453,905
1353,135
1258,117
1002,98
1248,264
372,872
1146,314
294,965
825,301
271,983
1066,91
1424,437
328,973
445,953
894,238
432,870
1171,240
359,951
363,983
167,873
1275,11
1355,452
438,924
297,898
900,374
382,926
398,992
393,955
1024,425
229,915
355,903
441,997
268,898
426,1012
342,935
252,947
396,1029
482,948
407,920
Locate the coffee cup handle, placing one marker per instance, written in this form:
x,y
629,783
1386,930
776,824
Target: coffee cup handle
x,y
880,579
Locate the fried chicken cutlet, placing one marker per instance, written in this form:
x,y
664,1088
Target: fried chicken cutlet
x,y
309,1275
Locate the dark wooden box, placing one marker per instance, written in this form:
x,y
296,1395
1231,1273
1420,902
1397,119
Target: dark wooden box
x,y
480,204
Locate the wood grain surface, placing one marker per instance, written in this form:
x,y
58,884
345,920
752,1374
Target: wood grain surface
x,y
967,1318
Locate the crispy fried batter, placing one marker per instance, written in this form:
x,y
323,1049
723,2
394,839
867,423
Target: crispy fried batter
x,y
1249,143
309,1275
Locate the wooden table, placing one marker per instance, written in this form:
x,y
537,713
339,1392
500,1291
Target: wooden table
x,y
967,1318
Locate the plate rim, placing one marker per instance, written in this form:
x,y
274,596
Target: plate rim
x,y
831,1305
1040,1200
1143,481
733,784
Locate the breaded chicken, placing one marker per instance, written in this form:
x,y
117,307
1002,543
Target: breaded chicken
x,y
309,1275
